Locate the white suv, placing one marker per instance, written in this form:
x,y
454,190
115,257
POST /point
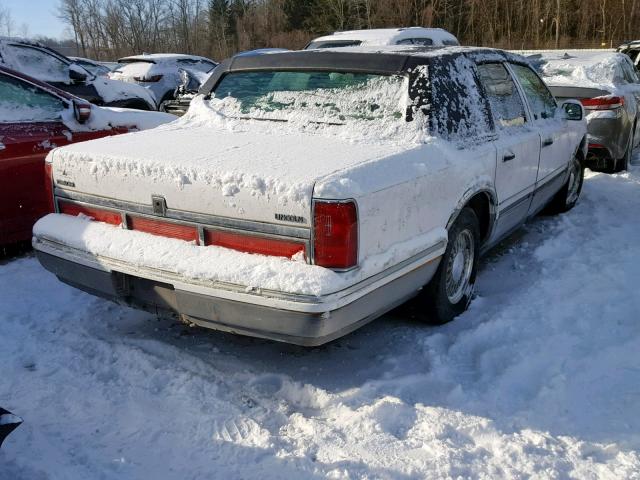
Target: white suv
x,y
424,37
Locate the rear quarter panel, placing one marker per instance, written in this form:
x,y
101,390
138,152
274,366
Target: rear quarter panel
x,y
406,201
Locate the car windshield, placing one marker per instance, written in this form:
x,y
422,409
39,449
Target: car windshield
x,y
321,96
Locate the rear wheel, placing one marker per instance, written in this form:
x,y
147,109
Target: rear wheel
x,y
450,291
623,163
568,195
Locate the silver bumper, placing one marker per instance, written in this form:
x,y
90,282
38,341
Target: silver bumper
x,y
307,321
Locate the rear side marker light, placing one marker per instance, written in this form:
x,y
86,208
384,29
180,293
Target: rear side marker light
x,y
105,216
602,103
163,229
335,234
253,244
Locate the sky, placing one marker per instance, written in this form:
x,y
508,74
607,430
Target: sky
x,y
39,16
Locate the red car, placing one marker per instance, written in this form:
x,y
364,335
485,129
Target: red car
x,y
36,117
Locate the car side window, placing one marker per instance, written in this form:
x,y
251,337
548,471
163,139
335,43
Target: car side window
x,y
455,106
505,101
22,102
541,101
40,64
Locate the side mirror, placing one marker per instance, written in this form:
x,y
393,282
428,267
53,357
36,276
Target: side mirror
x,y
81,111
77,74
573,110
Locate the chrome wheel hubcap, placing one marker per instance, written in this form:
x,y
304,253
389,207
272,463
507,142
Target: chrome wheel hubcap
x,y
460,266
574,182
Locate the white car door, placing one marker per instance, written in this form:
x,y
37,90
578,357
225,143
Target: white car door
x,y
518,147
557,140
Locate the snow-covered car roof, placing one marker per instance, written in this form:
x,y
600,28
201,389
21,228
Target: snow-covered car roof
x,y
580,68
391,36
162,58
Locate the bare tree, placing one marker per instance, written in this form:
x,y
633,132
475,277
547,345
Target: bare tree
x,y
218,28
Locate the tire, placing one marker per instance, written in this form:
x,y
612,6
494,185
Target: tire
x,y
441,305
568,195
623,163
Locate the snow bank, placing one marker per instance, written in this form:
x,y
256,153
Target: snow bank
x,y
539,379
216,264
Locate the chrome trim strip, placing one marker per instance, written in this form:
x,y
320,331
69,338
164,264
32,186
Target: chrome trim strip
x,y
190,217
539,187
516,204
544,182
198,226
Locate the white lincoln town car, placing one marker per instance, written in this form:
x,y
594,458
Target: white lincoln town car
x,y
306,193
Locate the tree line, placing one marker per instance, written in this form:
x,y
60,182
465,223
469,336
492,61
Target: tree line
x,y
107,29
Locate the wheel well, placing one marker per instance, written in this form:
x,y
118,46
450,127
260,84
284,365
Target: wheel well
x,y
482,206
584,147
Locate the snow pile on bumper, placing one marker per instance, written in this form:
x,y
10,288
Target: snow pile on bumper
x,y
215,264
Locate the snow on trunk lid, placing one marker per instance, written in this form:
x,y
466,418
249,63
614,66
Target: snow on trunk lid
x,y
251,174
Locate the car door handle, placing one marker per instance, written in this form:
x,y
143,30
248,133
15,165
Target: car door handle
x,y
508,156
547,142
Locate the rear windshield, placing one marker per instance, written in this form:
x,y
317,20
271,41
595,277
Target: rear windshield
x,y
333,44
128,61
579,71
330,97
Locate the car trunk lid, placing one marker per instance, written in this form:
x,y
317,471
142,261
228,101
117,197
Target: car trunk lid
x,y
244,175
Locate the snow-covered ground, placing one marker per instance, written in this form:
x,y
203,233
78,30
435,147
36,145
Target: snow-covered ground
x,y
539,379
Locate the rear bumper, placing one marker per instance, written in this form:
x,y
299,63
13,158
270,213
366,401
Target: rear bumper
x,y
610,134
301,320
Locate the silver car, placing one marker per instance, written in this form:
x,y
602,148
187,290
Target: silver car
x,y
609,88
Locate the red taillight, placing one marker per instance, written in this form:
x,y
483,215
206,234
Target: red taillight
x,y
602,103
253,244
48,186
73,209
335,234
163,229
152,78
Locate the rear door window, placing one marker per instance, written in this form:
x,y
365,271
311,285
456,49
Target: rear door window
x,y
542,103
506,104
22,102
457,110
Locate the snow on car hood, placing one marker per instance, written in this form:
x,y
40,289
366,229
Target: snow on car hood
x,y
209,163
